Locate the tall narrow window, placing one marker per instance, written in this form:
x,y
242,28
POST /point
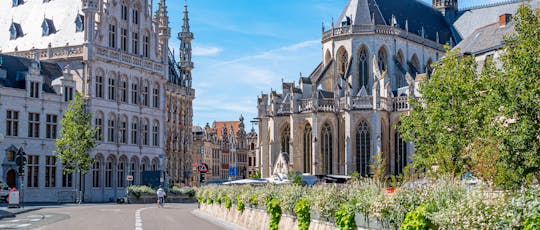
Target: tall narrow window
x,y
134,131
96,171
155,134
363,149
99,86
124,12
327,149
308,157
135,16
363,68
34,89
109,173
124,39
112,35
99,125
121,172
133,169
33,125
135,43
285,139
112,88
32,171
383,59
400,154
145,129
145,95
67,179
68,94
12,123
50,171
155,96
111,129
146,46
134,93
123,91
51,126
123,130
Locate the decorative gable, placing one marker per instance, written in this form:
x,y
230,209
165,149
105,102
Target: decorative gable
x,y
15,31
48,27
79,23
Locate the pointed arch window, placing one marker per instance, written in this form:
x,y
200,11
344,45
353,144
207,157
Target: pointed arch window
x,y
146,45
96,173
79,23
363,149
363,68
400,153
308,160
111,128
383,59
285,139
414,65
327,148
343,61
109,172
121,172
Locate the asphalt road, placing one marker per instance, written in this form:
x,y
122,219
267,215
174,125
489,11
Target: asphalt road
x,y
132,217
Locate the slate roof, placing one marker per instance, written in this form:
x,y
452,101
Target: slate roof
x,y
17,68
417,13
484,39
469,20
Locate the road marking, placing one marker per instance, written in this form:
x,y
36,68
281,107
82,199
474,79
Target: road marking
x,y
138,219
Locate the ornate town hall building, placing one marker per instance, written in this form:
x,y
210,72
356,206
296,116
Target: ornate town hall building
x,y
116,54
336,119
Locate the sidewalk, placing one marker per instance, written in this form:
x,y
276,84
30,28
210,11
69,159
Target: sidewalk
x,y
28,207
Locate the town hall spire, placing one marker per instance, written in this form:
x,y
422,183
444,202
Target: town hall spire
x,y
185,37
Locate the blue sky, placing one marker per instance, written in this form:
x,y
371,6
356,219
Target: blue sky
x,y
245,47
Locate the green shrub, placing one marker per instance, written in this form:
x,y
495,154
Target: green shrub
x,y
253,200
302,211
345,217
240,203
190,192
416,220
227,200
532,223
138,190
273,208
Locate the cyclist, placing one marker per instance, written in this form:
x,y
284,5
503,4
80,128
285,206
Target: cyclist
x,y
161,197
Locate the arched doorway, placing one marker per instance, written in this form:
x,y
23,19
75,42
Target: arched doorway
x,y
11,178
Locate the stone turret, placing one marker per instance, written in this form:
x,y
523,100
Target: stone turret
x,y
448,8
185,36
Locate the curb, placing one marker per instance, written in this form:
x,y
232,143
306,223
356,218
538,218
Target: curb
x,y
14,214
216,221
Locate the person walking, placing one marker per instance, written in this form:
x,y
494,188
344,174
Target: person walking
x,y
160,196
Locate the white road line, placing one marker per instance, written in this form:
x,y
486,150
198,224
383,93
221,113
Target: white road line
x,y
138,219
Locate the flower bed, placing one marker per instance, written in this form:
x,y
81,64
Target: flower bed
x,y
146,195
444,203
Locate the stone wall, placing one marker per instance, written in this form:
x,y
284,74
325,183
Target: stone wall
x,y
258,219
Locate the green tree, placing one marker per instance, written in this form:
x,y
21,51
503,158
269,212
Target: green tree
x,y
78,137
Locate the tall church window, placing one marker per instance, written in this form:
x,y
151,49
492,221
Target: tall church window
x,y
123,130
124,12
145,129
135,16
414,65
308,157
135,93
123,39
363,67
111,128
343,61
285,138
327,148
400,153
96,171
123,90
155,96
134,131
109,172
363,149
112,88
155,133
121,171
145,93
383,59
146,45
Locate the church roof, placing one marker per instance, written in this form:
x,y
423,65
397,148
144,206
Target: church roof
x,y
485,39
17,68
417,14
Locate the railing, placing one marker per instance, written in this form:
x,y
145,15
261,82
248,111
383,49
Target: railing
x,y
362,103
380,29
326,105
401,103
283,109
305,105
51,53
128,59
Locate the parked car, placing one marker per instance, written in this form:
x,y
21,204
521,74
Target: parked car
x,y
4,189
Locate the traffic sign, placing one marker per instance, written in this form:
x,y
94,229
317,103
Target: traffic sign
x,y
129,178
203,168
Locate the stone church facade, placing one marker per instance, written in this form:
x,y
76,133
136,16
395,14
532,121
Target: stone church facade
x,y
117,53
337,119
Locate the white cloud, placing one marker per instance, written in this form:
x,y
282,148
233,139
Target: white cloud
x,y
206,50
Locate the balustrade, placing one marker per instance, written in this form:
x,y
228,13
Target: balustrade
x,y
401,103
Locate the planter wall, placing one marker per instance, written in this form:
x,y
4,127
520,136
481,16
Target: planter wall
x,y
258,219
150,198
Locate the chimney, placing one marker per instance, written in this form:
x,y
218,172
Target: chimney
x,y
504,19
